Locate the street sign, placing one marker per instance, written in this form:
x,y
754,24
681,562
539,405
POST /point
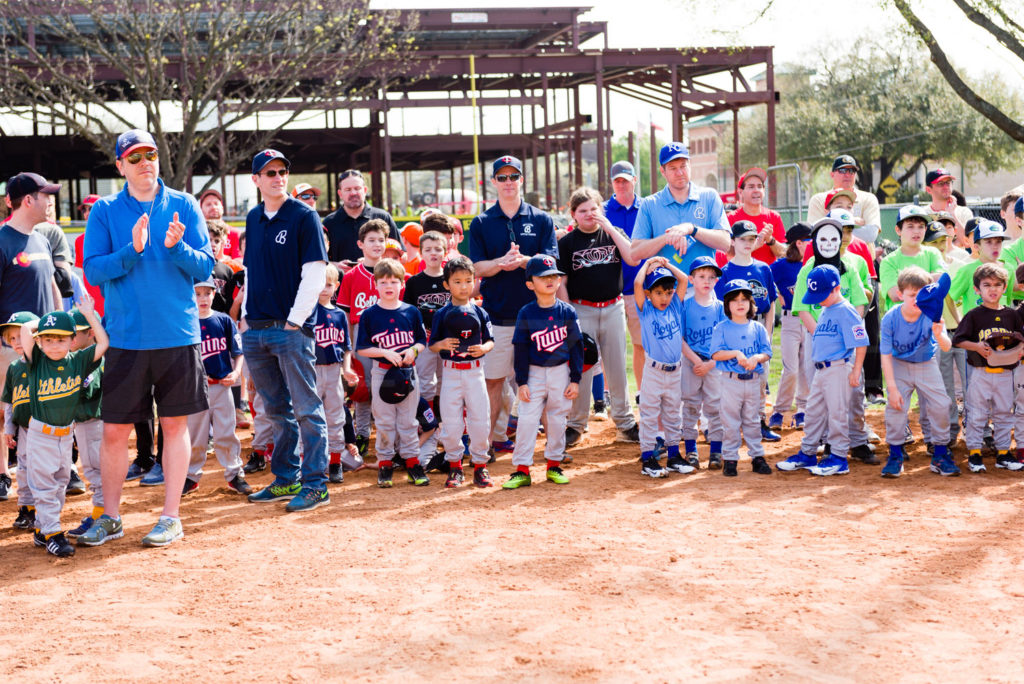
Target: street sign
x,y
889,186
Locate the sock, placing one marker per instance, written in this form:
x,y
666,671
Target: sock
x,y
895,450
523,469
412,462
941,451
456,465
554,464
597,387
476,466
52,535
647,455
673,451
974,452
384,464
691,445
97,511
31,508
335,458
716,447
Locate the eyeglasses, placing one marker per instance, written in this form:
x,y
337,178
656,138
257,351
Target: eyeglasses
x,y
274,172
136,157
847,171
502,177
307,196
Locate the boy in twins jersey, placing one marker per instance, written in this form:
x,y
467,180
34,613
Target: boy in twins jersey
x,y
221,349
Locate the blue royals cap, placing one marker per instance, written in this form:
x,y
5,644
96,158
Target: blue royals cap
x,y
657,275
932,297
129,141
265,157
737,285
820,283
674,150
502,162
542,265
704,261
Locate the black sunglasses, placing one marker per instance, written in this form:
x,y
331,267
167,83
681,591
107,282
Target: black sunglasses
x,y
307,196
274,172
502,177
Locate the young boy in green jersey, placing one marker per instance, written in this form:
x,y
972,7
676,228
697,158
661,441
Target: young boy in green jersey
x,y
987,242
15,402
88,425
911,226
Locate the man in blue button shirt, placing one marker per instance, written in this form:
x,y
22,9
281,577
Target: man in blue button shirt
x,y
501,241
683,220
622,209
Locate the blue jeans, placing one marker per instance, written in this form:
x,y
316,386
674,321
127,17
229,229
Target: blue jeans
x,y
281,364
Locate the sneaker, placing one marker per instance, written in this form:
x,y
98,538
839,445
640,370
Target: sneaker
x,y
482,478
714,461
506,447
864,454
775,422
572,437
651,467
154,477
516,480
102,530
676,464
75,484
166,531
1005,460
134,472
930,450
334,473
455,478
308,499
438,463
189,486
796,462
729,469
238,484
944,466
693,460
363,444
416,476
77,532
833,465
893,466
38,539
257,462
600,411
873,398
241,422
59,546
556,475
275,492
760,466
384,476
767,435
5,486
630,434
974,462
566,458
873,437
26,519
798,420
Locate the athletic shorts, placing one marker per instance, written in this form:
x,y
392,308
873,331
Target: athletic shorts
x,y
133,378
498,363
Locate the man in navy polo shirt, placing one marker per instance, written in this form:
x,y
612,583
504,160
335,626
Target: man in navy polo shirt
x,y
501,241
682,221
622,209
286,268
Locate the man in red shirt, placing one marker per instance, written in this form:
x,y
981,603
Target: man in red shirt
x,y
771,235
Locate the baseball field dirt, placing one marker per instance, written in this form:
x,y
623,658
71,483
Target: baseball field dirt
x,y
613,577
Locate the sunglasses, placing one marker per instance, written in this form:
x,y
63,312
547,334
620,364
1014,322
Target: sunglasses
x,y
847,171
274,172
136,157
307,196
502,177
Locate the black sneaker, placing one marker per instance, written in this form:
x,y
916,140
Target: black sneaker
x,y
677,465
630,434
729,469
930,450
38,539
5,486
864,454
416,476
974,462
362,444
189,486
384,476
693,460
58,545
482,478
714,461
572,437
455,478
238,484
760,466
334,473
257,462
26,519
438,463
75,485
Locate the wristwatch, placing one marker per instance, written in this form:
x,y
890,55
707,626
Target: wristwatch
x,y
772,238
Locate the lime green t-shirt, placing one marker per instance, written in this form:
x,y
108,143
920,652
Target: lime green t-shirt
x,y
16,392
961,289
852,283
55,386
1012,256
929,258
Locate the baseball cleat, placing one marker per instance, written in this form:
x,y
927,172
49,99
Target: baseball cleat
x,y
833,465
796,462
652,468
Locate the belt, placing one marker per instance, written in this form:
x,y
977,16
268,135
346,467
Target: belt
x,y
52,430
826,364
263,325
384,365
667,367
993,369
702,357
597,305
213,381
461,365
742,376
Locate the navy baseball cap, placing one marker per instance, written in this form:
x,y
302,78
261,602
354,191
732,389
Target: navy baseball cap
x,y
939,174
820,283
736,285
704,261
798,231
28,183
1018,206
265,157
931,297
129,141
674,150
623,169
743,227
502,162
206,283
934,231
844,161
396,384
542,265
657,275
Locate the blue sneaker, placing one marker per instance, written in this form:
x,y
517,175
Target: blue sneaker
x,y
308,499
944,466
87,523
134,472
798,420
767,435
797,461
832,465
894,466
775,422
154,477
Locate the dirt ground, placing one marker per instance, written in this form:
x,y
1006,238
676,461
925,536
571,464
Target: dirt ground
x,y
615,577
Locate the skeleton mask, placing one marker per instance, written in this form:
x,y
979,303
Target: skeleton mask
x,y
828,241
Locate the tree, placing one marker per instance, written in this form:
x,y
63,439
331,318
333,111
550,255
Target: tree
x,y
883,105
194,74
642,164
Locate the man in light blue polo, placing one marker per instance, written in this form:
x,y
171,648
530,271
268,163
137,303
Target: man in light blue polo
x,y
682,221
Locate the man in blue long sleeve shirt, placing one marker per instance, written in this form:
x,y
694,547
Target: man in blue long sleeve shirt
x,y
145,247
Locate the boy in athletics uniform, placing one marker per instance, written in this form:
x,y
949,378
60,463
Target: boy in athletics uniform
x,y
16,415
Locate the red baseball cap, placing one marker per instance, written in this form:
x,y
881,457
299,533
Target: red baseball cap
x,y
88,201
754,172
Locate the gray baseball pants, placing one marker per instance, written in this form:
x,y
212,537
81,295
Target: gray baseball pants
x,y
25,496
89,437
828,410
547,397
740,418
990,396
701,392
793,385
607,325
396,423
49,467
362,411
331,392
465,389
660,391
220,417
926,379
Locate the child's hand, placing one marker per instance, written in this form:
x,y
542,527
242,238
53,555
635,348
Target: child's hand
x,y
475,350
854,378
985,350
11,442
394,358
701,369
572,391
409,357
749,364
895,400
229,379
657,261
524,393
938,328
86,305
350,377
450,343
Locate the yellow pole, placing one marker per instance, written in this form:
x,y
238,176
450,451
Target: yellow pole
x,y
476,145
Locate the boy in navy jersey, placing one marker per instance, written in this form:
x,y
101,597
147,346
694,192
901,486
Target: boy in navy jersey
x,y
426,292
391,335
548,361
334,359
221,349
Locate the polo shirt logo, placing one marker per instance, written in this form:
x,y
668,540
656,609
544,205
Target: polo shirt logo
x,y
527,229
281,237
699,213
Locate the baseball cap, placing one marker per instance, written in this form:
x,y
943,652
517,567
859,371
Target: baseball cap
x,y
936,175
753,172
703,261
542,265
661,273
591,354
502,162
623,169
396,384
932,297
88,201
304,187
211,191
798,231
844,218
989,229
206,283
743,227
28,183
392,243
971,224
944,216
674,150
934,231
265,157
129,141
19,318
839,193
411,233
81,322
736,285
56,323
1018,206
913,211
1005,347
820,283
844,161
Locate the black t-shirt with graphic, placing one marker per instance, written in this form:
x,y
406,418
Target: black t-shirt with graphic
x,y
592,265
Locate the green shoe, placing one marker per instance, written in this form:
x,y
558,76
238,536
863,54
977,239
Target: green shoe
x,y
417,476
276,493
164,532
518,479
102,529
557,476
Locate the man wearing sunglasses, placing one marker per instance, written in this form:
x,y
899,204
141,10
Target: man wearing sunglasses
x,y
307,194
501,241
938,183
343,225
145,247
